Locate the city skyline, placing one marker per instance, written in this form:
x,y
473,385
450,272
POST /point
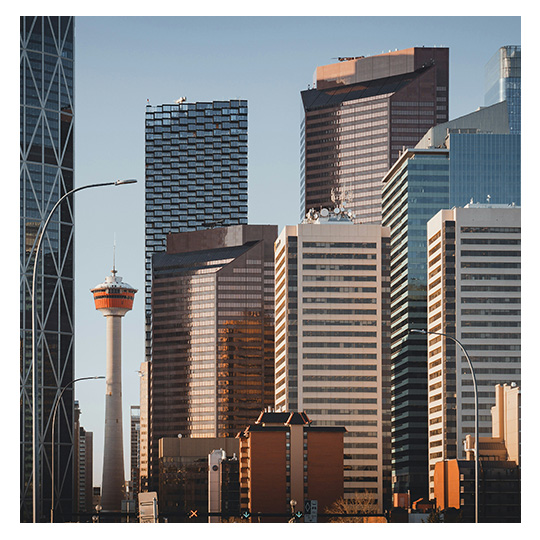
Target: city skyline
x,y
107,111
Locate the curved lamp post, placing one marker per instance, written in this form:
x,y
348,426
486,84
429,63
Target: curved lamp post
x,y
33,364
56,403
476,441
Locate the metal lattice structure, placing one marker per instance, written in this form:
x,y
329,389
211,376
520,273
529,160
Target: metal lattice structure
x,y
46,173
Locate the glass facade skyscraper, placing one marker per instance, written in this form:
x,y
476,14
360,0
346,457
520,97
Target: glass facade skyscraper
x,y
484,167
414,190
196,172
462,163
212,368
503,83
46,173
361,115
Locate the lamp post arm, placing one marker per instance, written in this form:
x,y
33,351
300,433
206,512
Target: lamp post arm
x,y
42,229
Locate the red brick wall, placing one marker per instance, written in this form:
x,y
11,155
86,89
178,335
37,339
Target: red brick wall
x,y
268,471
325,467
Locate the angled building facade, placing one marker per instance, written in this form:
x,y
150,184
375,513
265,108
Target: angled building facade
x,y
46,173
361,114
212,333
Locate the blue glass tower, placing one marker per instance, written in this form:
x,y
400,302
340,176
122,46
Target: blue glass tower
x,y
470,158
503,83
46,173
413,190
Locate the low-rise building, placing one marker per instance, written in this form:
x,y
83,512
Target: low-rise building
x,y
285,460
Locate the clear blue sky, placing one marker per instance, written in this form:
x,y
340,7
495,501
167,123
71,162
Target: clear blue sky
x,y
123,61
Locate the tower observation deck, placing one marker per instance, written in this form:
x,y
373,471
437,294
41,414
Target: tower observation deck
x,y
114,299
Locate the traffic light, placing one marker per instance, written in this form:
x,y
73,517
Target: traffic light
x,y
245,514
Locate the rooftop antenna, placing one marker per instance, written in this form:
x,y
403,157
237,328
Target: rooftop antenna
x,y
113,271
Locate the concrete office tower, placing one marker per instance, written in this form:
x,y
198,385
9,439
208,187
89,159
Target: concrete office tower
x,y
212,366
46,173
114,299
332,356
196,173
474,294
361,114
471,157
503,83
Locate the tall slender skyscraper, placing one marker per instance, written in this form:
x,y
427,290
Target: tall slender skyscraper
x,y
361,114
46,173
331,339
474,292
114,299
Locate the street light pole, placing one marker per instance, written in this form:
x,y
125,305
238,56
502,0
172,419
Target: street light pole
x,y
33,364
476,441
56,403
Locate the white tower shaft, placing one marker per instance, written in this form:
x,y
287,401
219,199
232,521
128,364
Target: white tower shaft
x,y
112,487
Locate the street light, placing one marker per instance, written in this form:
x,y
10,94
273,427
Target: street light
x,y
56,403
476,441
33,364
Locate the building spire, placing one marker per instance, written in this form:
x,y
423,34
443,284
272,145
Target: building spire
x,y
113,271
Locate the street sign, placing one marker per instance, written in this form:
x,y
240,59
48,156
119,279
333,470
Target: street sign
x,y
310,511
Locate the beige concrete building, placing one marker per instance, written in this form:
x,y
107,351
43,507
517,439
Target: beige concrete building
x,y
474,295
332,340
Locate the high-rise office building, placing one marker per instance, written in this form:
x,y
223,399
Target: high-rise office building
x,y
84,462
331,338
474,295
196,173
212,366
472,157
361,114
503,83
46,173
135,447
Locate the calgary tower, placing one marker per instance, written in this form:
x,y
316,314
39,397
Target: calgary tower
x,y
114,299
